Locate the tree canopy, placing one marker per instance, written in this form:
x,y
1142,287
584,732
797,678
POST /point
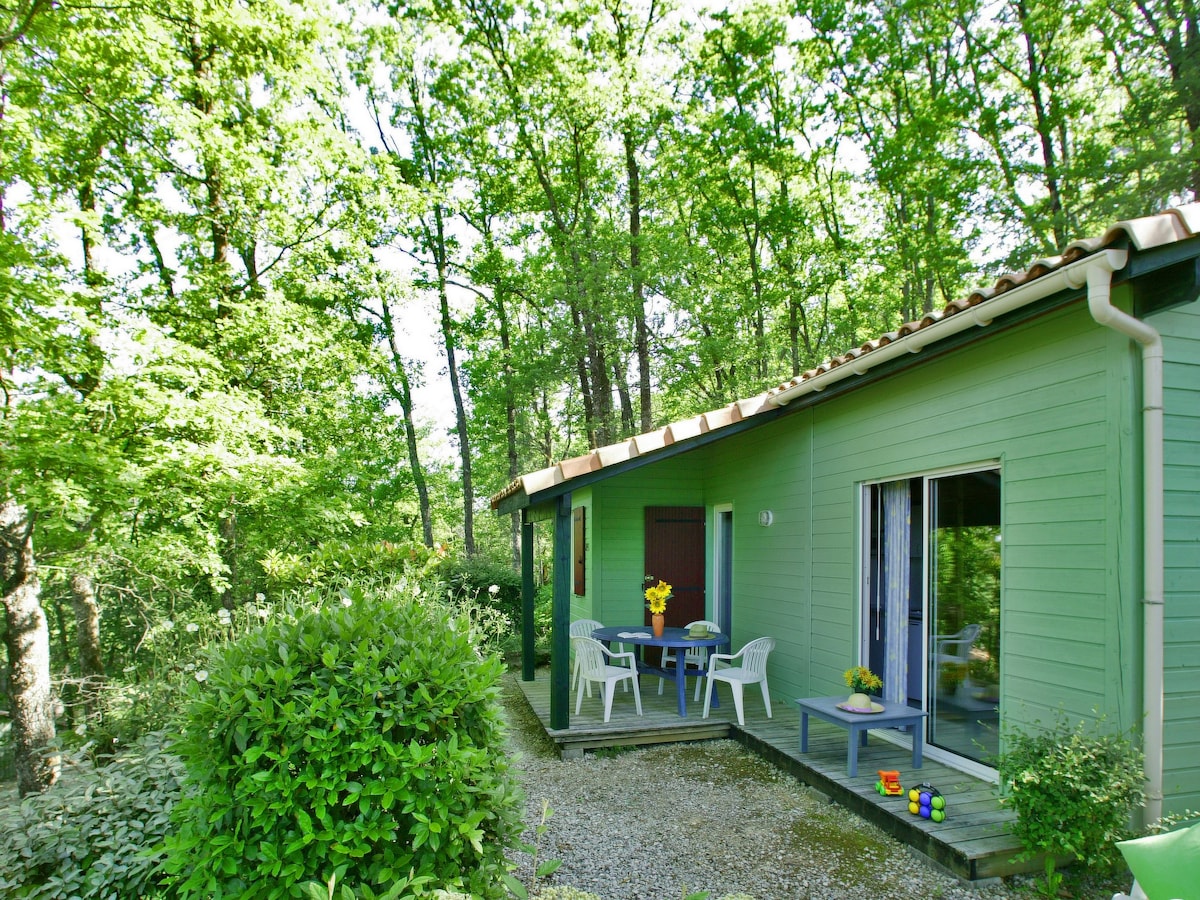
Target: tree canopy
x,y
215,217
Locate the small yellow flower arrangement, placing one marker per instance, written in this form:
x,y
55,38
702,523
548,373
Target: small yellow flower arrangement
x,y
860,680
657,596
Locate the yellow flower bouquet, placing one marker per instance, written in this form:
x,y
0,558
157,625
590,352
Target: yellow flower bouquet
x,y
861,680
657,596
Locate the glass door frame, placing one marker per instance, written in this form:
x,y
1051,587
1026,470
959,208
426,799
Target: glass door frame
x,y
722,556
926,479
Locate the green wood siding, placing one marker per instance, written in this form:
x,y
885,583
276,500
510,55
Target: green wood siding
x,y
1049,402
1046,402
620,531
1054,403
1181,475
767,469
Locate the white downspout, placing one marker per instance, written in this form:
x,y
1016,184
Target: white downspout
x,y
1099,285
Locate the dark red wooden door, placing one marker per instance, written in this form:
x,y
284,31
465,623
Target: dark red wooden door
x,y
675,554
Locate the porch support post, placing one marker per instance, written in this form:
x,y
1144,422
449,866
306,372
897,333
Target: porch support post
x,y
527,596
560,645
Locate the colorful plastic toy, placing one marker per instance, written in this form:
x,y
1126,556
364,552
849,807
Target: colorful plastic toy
x,y
889,783
927,802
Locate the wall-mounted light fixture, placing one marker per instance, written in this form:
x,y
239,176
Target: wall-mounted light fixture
x,y
765,518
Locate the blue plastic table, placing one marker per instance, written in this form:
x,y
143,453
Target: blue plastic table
x,y
672,638
826,709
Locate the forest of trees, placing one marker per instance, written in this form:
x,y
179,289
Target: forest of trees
x,y
214,216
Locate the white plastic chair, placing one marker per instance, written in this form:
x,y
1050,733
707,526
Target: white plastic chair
x,y
582,628
752,670
693,656
593,657
954,648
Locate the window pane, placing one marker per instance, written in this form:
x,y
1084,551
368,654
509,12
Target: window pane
x,y
964,621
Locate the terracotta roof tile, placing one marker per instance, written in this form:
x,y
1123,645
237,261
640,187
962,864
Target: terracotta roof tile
x,y
580,465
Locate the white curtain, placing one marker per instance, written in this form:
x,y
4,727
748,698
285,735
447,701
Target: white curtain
x,y
897,513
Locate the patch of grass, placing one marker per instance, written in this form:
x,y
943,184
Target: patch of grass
x,y
703,763
524,728
858,853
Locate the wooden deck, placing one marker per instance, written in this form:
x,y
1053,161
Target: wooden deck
x,y
975,842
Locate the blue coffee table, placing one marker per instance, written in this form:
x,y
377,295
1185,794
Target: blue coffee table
x,y
858,724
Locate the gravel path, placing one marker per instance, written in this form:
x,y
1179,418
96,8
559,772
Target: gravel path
x,y
663,821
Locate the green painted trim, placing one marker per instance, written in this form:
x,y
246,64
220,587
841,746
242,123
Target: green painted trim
x,y
1159,258
560,647
528,594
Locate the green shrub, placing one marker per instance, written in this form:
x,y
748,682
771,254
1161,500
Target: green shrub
x,y
497,584
86,836
543,615
1073,789
348,561
362,741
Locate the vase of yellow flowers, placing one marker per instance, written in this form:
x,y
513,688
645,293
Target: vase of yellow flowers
x,y
860,680
656,601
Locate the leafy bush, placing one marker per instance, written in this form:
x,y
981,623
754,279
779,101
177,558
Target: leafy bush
x,y
543,615
357,561
362,741
497,584
86,836
142,699
1074,790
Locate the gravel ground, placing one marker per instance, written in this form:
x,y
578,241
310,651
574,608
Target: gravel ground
x,y
664,821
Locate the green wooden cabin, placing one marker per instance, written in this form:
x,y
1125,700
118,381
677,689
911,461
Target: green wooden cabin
x,y
1027,463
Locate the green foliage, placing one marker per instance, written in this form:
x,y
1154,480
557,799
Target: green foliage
x,y
1073,789
497,584
968,591
87,836
331,890
359,736
543,615
542,869
345,561
170,651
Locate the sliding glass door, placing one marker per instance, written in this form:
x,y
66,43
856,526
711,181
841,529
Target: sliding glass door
x,y
931,597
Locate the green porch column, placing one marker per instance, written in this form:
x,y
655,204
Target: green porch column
x,y
527,597
560,642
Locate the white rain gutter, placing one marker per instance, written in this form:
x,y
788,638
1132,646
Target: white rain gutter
x,y
1096,272
1099,285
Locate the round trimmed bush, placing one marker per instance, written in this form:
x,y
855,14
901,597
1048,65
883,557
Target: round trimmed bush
x,y
362,740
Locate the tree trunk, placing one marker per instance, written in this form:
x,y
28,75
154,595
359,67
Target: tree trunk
x,y
642,339
403,394
450,342
27,640
228,530
589,294
1043,124
87,638
623,395
510,412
